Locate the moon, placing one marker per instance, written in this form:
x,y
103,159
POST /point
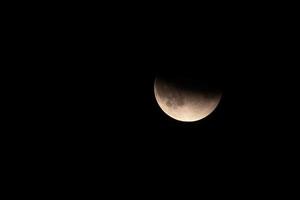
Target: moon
x,y
182,101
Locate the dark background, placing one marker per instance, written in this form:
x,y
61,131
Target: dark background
x,y
85,98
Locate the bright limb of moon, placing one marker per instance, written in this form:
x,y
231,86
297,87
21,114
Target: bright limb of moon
x,y
182,104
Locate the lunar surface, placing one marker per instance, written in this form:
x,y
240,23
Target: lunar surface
x,y
185,104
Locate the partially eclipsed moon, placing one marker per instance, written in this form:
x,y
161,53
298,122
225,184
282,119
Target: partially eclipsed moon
x,y
183,104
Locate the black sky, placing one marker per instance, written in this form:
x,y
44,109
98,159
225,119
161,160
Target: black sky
x,y
89,96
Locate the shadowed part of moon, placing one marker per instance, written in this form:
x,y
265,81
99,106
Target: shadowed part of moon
x,y
183,103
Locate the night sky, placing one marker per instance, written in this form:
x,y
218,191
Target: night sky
x,y
90,94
